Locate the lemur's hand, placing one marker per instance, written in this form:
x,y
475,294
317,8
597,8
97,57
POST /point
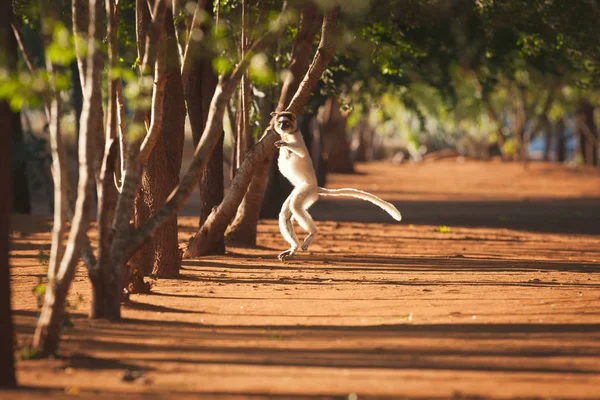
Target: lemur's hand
x,y
280,144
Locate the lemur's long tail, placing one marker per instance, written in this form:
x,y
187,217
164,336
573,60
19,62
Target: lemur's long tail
x,y
360,194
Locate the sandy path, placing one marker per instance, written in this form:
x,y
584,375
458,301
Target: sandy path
x,y
506,304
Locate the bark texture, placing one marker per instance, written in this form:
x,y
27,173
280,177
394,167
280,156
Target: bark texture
x,y
9,60
203,242
81,20
127,241
243,227
137,146
210,137
140,157
160,255
50,323
101,274
200,87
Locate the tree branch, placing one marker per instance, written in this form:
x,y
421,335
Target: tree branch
x,y
208,141
16,28
190,44
547,104
324,54
155,32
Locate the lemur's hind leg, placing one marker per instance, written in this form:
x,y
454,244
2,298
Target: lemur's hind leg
x,y
309,238
286,226
302,199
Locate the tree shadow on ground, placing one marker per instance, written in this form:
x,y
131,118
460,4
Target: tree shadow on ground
x,y
504,347
568,215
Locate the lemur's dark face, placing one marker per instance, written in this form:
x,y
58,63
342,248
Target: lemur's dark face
x,y
285,122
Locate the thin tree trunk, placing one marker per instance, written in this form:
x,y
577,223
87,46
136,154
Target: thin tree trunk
x,y
20,184
139,147
337,146
244,134
243,227
203,243
500,138
212,188
7,362
561,145
200,87
141,262
587,132
81,19
232,117
547,139
362,137
8,60
539,121
101,275
50,323
77,98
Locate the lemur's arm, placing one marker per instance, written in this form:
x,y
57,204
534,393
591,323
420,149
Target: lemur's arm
x,y
295,148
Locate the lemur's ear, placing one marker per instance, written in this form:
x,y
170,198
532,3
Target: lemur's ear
x,y
273,114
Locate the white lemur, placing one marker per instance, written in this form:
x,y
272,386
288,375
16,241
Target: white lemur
x,y
296,165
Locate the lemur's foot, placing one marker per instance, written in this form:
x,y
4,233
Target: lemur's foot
x,y
285,254
307,241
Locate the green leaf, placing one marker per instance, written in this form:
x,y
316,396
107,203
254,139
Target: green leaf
x,y
221,65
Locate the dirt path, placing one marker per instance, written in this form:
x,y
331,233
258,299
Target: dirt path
x,y
505,303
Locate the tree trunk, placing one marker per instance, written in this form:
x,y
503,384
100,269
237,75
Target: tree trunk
x,y
548,138
203,243
200,87
77,98
244,133
500,138
362,138
160,255
51,318
7,362
243,227
81,20
126,243
587,133
8,59
102,276
20,184
337,146
561,145
49,339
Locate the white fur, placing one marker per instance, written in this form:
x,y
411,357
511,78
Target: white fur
x,y
295,164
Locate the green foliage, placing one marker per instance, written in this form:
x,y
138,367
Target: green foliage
x,y
61,50
28,353
428,68
221,65
39,291
261,72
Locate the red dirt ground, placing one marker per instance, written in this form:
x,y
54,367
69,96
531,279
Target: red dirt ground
x,y
506,304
